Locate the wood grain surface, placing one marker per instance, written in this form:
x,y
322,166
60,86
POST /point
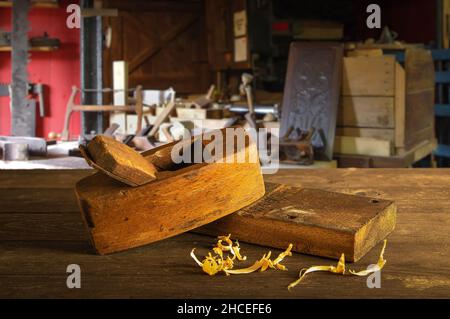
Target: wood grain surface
x,y
41,232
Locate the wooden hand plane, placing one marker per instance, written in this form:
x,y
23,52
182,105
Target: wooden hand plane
x,y
137,199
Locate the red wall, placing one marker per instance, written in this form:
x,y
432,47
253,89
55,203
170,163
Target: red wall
x,y
59,69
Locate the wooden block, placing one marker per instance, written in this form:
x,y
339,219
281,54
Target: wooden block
x,y
119,161
183,197
369,76
362,146
378,133
366,112
316,222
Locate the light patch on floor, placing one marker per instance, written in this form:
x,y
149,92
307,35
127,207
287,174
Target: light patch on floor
x,y
422,282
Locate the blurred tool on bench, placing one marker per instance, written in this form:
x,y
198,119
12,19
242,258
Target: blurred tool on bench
x,y
136,101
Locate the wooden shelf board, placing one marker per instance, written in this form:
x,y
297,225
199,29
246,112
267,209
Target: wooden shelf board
x,y
40,49
43,4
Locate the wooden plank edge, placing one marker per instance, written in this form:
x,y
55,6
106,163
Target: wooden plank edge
x,y
375,231
400,106
362,146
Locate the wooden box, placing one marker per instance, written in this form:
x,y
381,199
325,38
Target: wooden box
x,y
386,108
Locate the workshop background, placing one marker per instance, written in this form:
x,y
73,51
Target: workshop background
x,y
95,95
188,46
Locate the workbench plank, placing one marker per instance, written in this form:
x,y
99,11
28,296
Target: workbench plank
x,y
35,227
134,273
436,178
40,237
46,257
37,200
69,227
42,178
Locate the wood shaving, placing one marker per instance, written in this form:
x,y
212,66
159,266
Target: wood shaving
x,y
213,264
340,268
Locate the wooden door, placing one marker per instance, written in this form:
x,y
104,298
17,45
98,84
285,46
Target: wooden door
x,y
164,43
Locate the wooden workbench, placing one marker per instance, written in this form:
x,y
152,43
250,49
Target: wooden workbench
x,y
41,233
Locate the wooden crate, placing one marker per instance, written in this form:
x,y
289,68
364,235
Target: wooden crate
x,y
385,107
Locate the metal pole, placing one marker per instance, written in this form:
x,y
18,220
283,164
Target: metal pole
x,y
23,114
91,69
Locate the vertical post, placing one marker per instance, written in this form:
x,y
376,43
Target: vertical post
x,y
91,69
120,82
439,23
23,115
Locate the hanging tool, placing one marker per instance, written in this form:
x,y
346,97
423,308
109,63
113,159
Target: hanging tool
x,y
37,89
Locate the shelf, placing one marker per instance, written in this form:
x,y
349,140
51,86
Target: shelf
x,y
33,49
41,4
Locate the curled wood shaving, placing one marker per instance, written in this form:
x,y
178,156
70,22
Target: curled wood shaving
x,y
380,264
219,263
340,268
235,250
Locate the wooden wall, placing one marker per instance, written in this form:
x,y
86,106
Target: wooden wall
x,y
164,43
